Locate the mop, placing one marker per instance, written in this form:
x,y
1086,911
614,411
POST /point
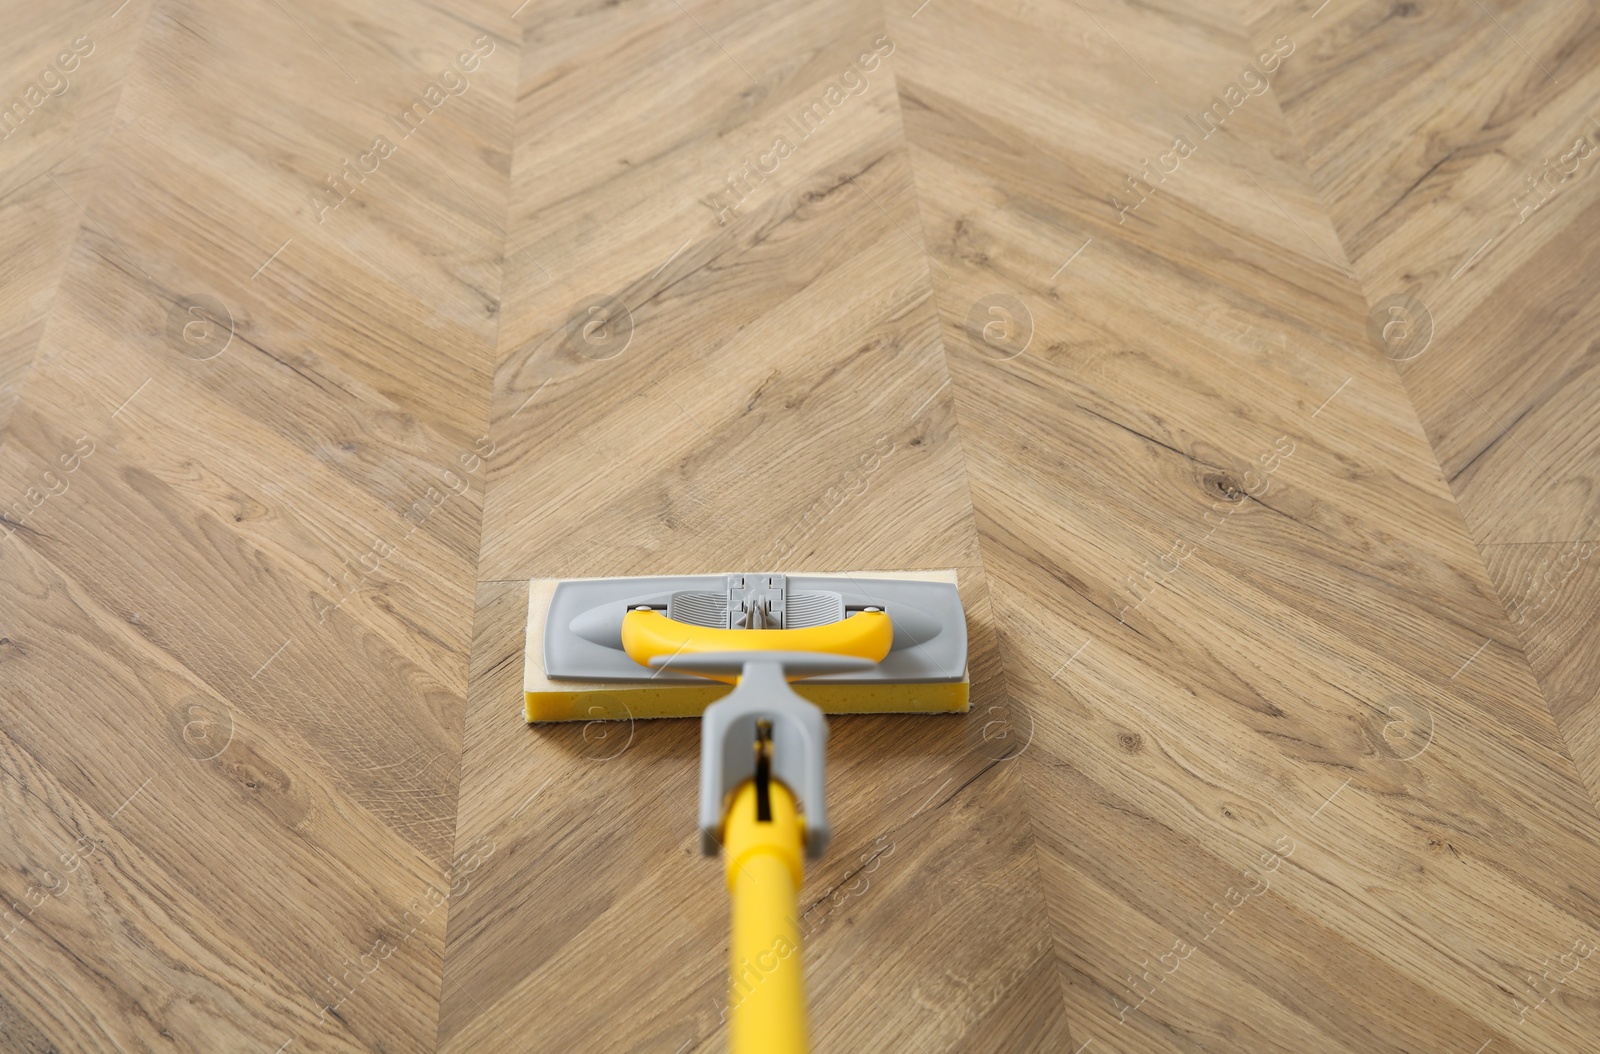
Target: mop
x,y
794,648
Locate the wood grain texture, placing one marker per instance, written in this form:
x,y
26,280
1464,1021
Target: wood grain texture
x,y
235,656
1286,713
1489,219
1299,737
64,67
773,394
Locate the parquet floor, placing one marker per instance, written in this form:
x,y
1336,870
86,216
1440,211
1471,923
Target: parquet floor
x,y
1241,357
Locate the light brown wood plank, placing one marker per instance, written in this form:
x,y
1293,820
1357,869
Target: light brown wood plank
x,y
63,67
1283,642
239,530
1489,221
1203,476
782,402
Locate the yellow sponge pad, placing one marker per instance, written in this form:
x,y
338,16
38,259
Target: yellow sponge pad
x,y
548,700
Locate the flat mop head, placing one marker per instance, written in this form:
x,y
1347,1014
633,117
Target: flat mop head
x,y
583,665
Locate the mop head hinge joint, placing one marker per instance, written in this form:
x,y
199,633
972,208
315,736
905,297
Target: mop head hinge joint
x,y
763,724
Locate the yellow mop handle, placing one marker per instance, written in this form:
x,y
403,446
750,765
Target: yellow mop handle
x,y
766,993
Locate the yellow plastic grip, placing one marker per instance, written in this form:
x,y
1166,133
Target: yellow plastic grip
x,y
647,634
766,991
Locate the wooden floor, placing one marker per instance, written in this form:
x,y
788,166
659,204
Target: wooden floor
x,y
1242,358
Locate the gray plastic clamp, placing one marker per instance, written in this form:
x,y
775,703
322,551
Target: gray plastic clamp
x,y
728,733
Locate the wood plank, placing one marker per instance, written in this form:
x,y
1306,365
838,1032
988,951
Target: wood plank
x,y
1229,572
1285,729
262,513
1489,222
63,67
780,402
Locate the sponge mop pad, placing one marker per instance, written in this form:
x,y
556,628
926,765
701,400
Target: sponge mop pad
x,y
551,700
